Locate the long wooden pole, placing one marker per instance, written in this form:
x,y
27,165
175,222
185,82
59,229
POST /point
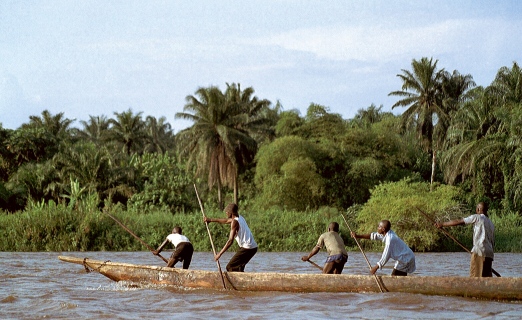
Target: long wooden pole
x,y
315,264
362,251
135,236
210,236
450,236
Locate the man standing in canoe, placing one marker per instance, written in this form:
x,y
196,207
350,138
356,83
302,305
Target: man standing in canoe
x,y
183,251
483,240
394,248
334,244
241,233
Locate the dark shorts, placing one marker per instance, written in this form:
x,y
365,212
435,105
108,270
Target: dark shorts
x,y
396,272
240,259
487,269
183,252
335,264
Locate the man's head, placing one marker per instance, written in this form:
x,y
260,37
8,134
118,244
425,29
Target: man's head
x,y
482,207
333,226
177,230
384,226
231,210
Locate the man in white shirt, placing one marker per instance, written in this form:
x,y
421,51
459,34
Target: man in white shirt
x,y
241,233
183,251
481,264
394,248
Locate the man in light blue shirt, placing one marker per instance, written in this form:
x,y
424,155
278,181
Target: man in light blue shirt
x,y
394,248
481,264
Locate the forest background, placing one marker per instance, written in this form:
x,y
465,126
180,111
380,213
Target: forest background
x,y
454,145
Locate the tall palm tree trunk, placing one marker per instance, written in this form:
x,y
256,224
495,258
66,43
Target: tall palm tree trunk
x,y
220,197
236,188
433,166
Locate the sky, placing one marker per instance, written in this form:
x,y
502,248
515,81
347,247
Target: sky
x,y
101,57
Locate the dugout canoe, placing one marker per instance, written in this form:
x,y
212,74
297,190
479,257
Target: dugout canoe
x,y
504,288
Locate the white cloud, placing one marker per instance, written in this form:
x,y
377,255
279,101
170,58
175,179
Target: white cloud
x,y
385,43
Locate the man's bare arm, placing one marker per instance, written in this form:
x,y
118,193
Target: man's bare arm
x,y
234,228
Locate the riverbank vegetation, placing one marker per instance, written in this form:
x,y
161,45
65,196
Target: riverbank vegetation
x,y
58,227
454,145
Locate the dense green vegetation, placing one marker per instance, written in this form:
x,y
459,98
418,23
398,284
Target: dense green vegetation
x,y
455,144
57,227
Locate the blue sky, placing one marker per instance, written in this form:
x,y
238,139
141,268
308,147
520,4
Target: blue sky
x,y
99,57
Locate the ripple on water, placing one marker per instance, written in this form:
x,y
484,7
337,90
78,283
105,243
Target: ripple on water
x,y
9,299
68,305
42,286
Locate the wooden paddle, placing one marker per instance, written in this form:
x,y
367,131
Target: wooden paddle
x,y
450,236
135,236
315,264
362,251
210,236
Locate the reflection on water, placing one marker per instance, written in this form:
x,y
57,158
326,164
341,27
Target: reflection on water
x,y
39,285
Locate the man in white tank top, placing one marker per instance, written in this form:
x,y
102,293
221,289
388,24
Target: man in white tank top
x,y
241,233
183,251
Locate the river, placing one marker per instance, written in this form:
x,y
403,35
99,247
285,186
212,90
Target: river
x,y
38,285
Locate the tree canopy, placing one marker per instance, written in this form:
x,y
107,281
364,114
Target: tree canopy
x,y
452,133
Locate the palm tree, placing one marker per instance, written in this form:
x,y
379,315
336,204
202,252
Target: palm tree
x,y
257,118
455,92
36,181
253,124
159,135
485,141
421,94
507,89
203,142
366,117
223,137
31,144
57,125
6,155
86,163
470,125
128,129
507,86
42,136
95,130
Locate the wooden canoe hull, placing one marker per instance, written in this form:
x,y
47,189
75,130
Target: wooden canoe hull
x,y
483,288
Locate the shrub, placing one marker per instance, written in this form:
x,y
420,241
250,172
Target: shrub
x,y
398,202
